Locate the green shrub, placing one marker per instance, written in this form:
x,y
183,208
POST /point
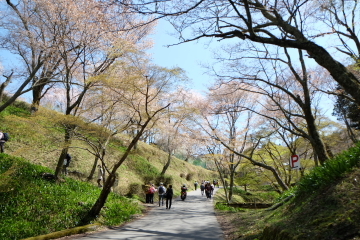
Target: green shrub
x,y
332,170
134,188
190,176
225,207
165,179
32,206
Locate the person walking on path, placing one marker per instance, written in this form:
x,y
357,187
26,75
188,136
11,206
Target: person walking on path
x,y
202,188
152,191
169,194
161,190
196,185
208,190
147,193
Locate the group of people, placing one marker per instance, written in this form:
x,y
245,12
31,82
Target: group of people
x,y
207,188
163,193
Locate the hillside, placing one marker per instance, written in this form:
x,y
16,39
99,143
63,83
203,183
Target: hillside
x,y
34,148
325,206
39,139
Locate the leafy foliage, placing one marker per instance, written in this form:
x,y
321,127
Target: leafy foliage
x,y
331,171
18,108
31,205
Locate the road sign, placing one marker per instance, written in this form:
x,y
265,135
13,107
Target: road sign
x,y
295,162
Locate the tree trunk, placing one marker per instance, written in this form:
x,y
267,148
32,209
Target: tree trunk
x,y
91,175
4,85
95,210
63,152
315,138
37,90
166,166
232,173
20,91
222,180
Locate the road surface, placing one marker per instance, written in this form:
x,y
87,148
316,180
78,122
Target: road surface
x,y
193,218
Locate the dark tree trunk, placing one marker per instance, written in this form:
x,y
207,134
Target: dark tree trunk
x,y
317,143
95,210
4,85
20,90
166,166
63,152
37,95
93,169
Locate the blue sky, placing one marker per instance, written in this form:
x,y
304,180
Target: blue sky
x,y
187,56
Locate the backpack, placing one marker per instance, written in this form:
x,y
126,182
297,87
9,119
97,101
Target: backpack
x,y
161,190
152,190
5,137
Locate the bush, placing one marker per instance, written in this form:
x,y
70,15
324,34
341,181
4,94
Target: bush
x,y
332,170
190,176
149,178
165,179
225,207
134,189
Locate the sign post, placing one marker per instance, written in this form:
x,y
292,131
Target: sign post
x,y
295,162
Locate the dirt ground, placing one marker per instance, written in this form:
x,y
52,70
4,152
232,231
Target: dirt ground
x,y
228,224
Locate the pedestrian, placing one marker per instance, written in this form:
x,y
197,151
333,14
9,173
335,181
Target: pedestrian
x,y
100,175
212,189
3,139
161,190
195,185
66,163
147,193
202,188
152,191
169,194
208,190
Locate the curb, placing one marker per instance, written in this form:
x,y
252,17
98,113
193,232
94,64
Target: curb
x,y
67,232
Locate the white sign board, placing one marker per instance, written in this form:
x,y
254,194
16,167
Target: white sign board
x,y
295,162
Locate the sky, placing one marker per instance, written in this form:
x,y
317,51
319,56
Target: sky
x,y
188,56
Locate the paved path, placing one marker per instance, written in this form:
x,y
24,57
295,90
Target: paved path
x,y
193,218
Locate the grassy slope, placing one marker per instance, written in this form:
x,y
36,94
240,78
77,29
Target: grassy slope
x,y
322,209
31,205
37,140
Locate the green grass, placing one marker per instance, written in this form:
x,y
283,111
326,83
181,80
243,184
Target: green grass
x,y
31,205
326,206
332,170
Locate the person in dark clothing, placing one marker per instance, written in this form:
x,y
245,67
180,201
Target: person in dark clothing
x,y
2,141
202,188
66,163
196,185
169,194
152,191
208,190
147,194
